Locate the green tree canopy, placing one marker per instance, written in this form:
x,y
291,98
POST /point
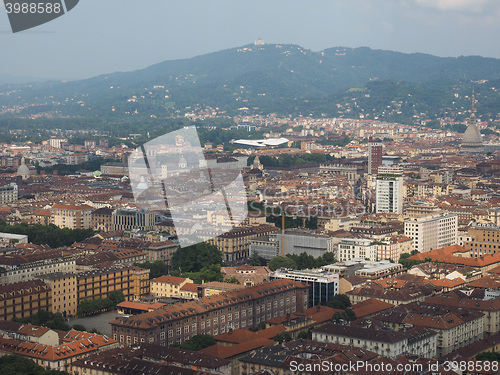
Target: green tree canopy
x,y
194,258
17,365
282,262
197,342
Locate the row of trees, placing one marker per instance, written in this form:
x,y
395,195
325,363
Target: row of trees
x,y
93,306
47,234
299,262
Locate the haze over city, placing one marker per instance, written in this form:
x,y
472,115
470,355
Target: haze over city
x,y
100,37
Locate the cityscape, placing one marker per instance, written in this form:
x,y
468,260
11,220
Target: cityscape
x,y
265,209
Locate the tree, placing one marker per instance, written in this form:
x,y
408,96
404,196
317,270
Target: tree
x,y
208,273
281,262
488,356
305,335
283,337
257,260
17,365
116,297
194,258
340,301
197,342
156,269
79,327
232,280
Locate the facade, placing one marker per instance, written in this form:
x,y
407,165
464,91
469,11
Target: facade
x,y
115,169
244,308
363,248
323,286
374,157
102,219
235,244
298,242
456,327
9,193
246,274
265,246
417,341
62,292
72,216
168,286
432,232
100,282
483,239
24,268
129,219
23,299
389,193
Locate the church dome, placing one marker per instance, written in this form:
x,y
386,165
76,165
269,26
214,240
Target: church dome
x,y
23,171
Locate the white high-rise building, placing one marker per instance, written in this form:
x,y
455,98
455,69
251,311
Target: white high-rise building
x,y
389,193
433,231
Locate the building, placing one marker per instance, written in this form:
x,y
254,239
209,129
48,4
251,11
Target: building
x,y
10,239
168,286
323,286
389,193
244,308
57,142
130,219
65,347
298,242
72,216
9,193
23,299
483,239
115,169
98,283
246,274
418,341
472,140
149,360
27,267
265,246
374,156
235,244
63,292
432,232
102,219
351,248
456,327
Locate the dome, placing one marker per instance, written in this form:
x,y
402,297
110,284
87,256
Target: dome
x,y
23,171
472,135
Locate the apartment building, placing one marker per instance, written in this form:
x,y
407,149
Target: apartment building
x,y
244,308
389,193
9,193
417,341
100,282
72,216
168,286
63,292
23,299
235,244
102,219
433,231
456,327
363,248
483,239
28,266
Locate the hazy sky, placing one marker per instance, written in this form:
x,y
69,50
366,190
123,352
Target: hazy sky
x,y
103,36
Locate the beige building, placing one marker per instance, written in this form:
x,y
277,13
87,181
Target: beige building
x,y
72,216
433,231
168,286
484,239
63,292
